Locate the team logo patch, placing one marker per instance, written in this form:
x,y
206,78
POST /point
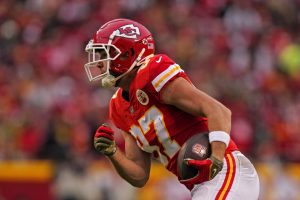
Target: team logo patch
x,y
128,31
142,97
199,150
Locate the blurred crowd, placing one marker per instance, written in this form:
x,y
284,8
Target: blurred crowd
x,y
244,53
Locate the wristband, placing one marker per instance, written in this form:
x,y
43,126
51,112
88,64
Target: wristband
x,y
220,136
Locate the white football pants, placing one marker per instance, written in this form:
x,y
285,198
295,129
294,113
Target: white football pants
x,y
238,180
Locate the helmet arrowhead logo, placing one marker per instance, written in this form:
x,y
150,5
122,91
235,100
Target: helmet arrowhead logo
x,y
128,31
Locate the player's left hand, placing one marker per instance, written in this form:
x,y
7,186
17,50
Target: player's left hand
x,y
208,169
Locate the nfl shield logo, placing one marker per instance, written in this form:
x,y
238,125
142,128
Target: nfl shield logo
x,y
199,150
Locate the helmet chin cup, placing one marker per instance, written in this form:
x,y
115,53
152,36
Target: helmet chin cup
x,y
108,81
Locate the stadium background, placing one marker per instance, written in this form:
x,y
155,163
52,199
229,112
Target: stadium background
x,y
244,53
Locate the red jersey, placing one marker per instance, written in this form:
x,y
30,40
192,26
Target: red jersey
x,y
158,128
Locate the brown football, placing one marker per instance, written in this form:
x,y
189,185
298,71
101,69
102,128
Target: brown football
x,y
197,147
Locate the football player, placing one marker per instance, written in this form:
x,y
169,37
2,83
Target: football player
x,y
158,109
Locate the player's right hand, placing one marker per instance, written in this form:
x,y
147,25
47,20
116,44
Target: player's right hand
x,y
208,169
104,141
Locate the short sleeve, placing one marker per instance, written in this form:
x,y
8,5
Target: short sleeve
x,y
117,111
162,74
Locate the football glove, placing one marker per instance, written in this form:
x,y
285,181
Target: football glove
x,y
208,169
104,141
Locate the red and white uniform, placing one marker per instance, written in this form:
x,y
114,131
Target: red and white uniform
x,y
158,128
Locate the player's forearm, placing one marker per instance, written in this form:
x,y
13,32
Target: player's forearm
x,y
133,173
220,120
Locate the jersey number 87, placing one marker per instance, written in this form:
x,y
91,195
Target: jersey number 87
x,y
154,116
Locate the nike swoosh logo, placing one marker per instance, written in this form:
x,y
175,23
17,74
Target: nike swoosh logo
x,y
213,173
158,61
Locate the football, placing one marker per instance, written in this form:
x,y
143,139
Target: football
x,y
197,147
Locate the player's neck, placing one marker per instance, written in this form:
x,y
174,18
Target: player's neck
x,y
125,82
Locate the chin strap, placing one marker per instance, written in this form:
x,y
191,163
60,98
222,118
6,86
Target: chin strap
x,y
110,80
